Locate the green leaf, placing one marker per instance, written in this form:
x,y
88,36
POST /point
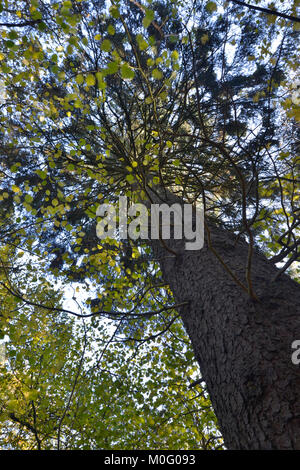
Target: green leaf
x,y
114,11
106,45
112,67
28,198
143,45
130,178
13,35
127,72
100,82
111,30
211,7
90,80
148,18
175,55
79,79
156,73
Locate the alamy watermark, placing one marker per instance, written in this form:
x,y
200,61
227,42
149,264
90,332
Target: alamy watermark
x,y
296,354
166,221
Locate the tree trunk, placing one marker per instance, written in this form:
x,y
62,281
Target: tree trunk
x,y
243,346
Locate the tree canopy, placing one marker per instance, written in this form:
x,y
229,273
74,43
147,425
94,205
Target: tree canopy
x,y
102,99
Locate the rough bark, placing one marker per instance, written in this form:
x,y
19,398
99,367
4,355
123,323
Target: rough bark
x,y
243,346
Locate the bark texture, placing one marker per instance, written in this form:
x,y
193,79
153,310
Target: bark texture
x,y
243,346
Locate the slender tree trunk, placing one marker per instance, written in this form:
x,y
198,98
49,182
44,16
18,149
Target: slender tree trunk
x,y
243,346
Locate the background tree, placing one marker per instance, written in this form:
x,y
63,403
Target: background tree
x,y
62,387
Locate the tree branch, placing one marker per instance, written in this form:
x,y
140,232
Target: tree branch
x,y
21,25
267,11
